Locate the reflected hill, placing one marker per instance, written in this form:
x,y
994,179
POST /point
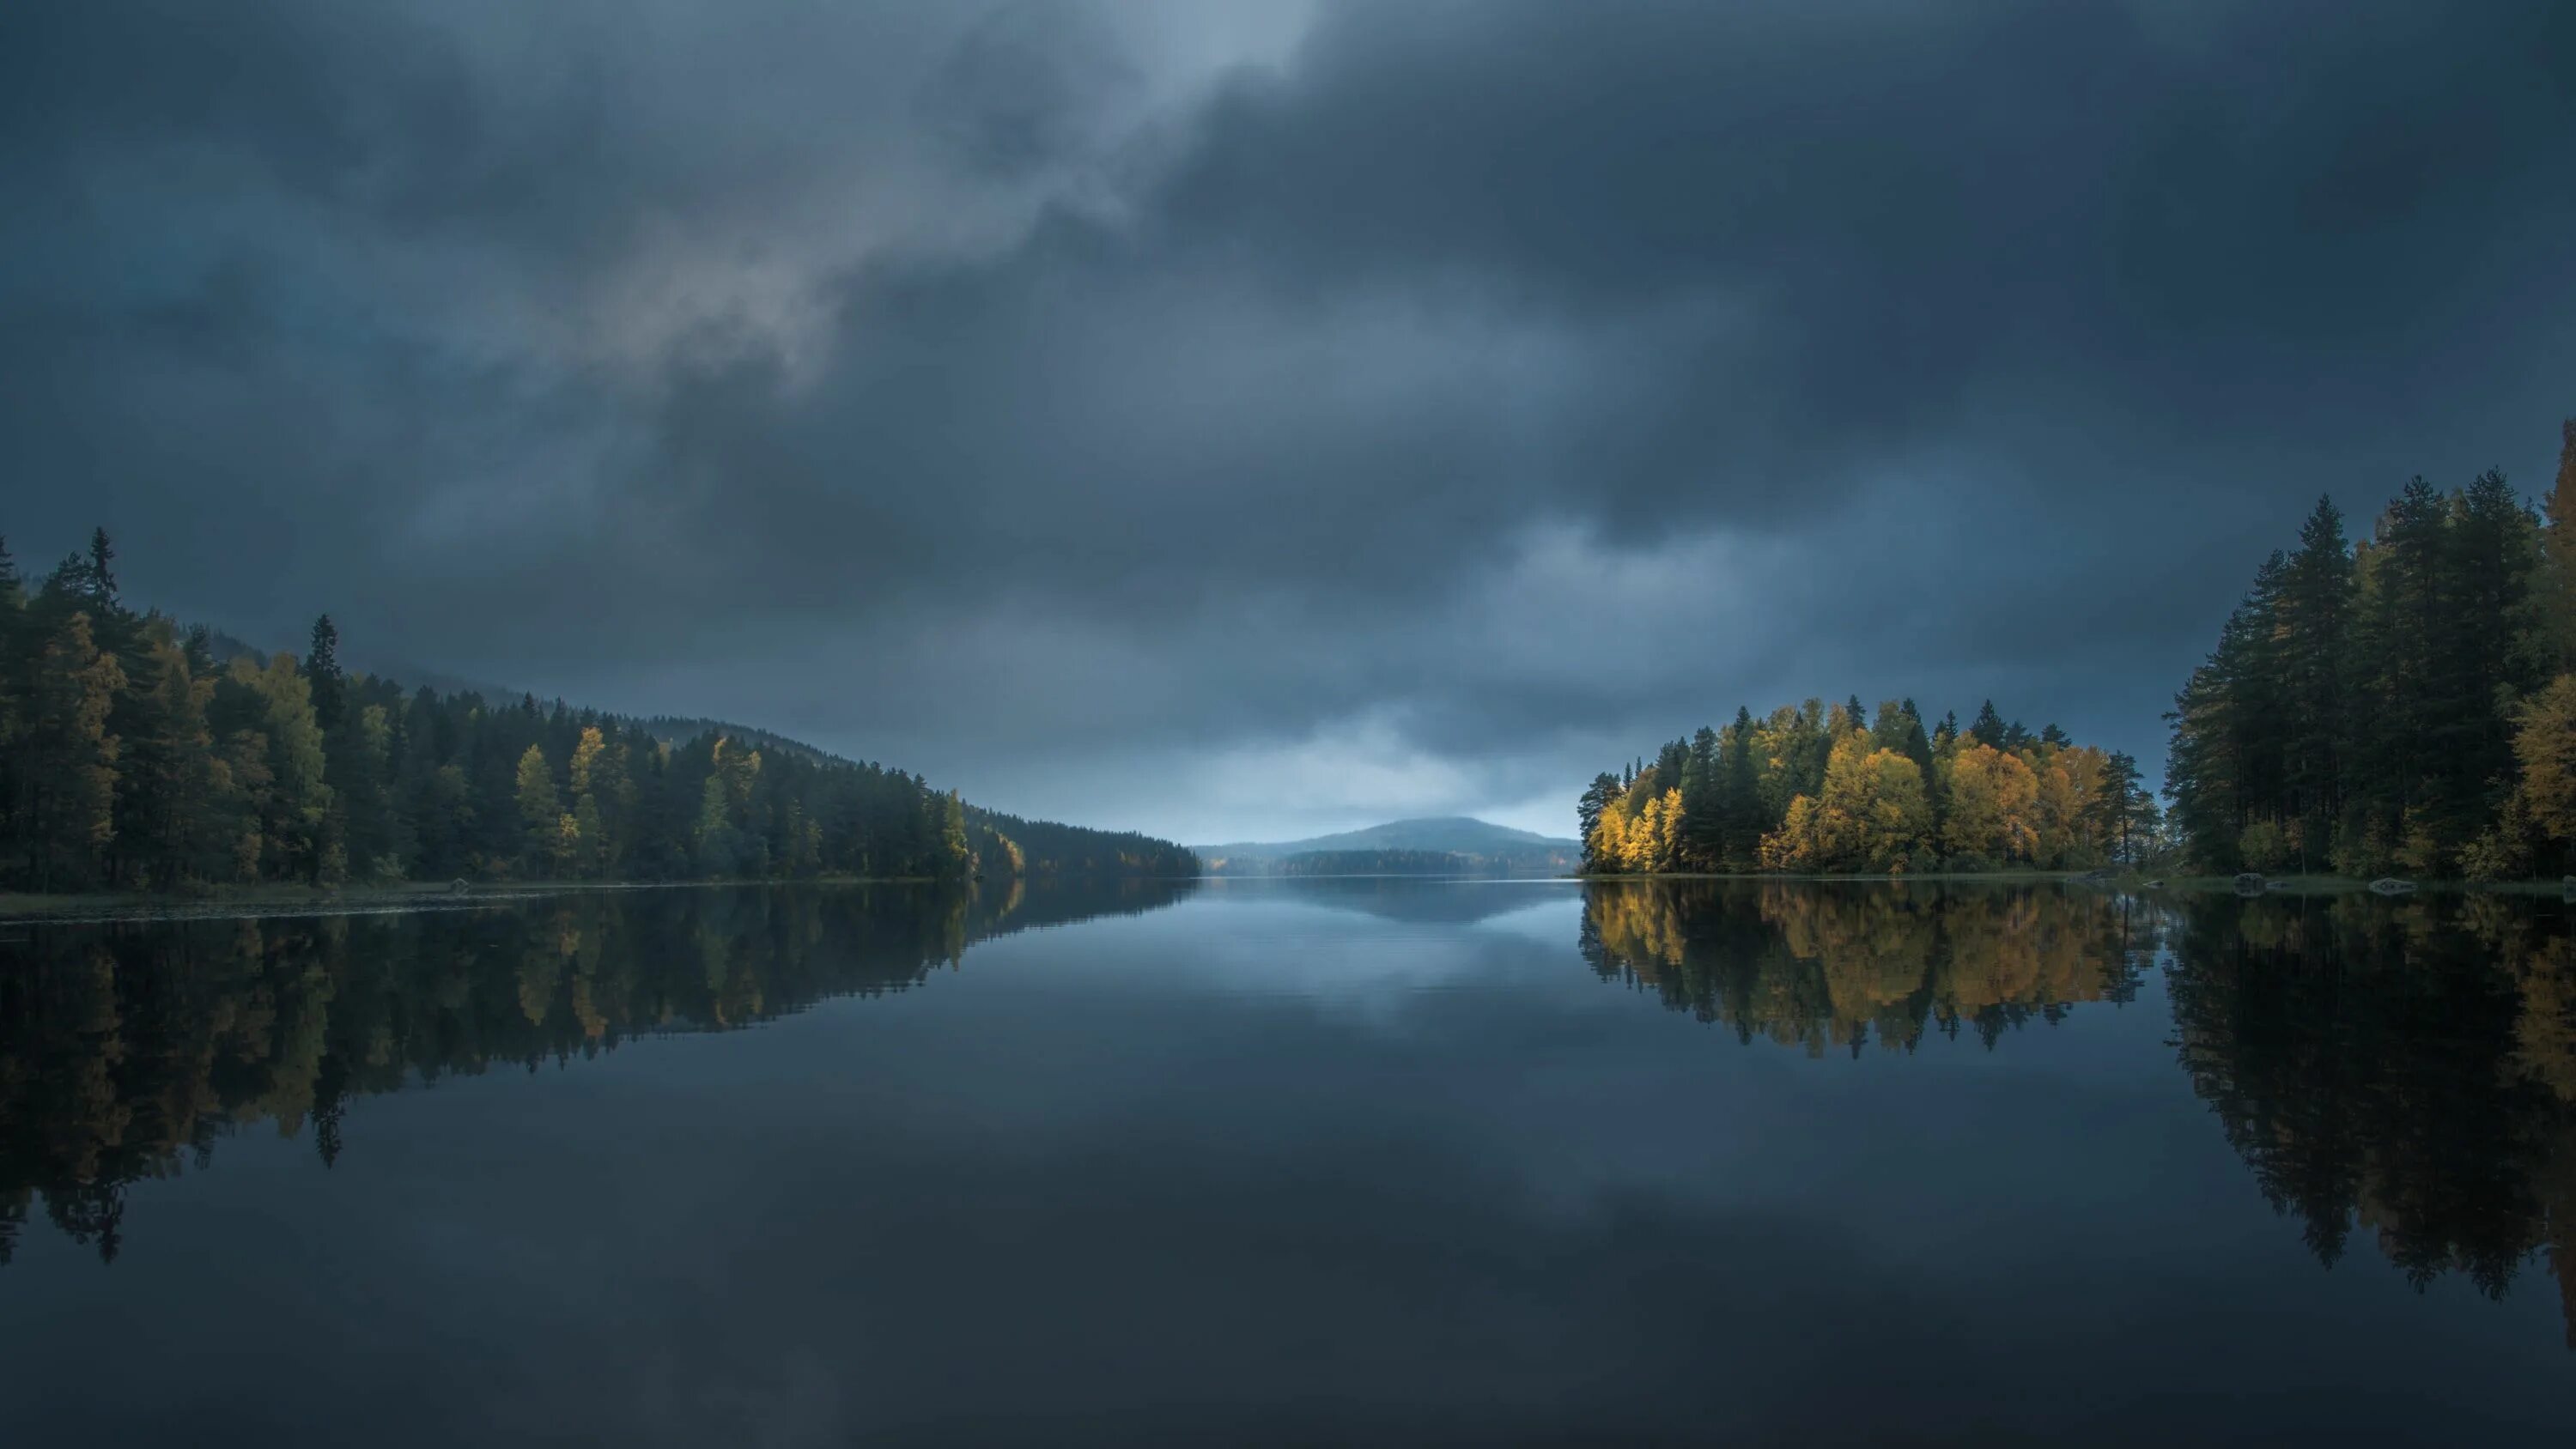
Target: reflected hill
x,y
1832,965
128,1048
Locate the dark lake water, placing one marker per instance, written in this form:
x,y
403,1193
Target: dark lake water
x,y
1336,1162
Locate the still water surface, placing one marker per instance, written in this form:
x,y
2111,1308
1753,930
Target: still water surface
x,y
1375,1161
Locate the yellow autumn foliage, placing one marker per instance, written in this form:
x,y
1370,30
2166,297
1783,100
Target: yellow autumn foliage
x,y
1872,814
1994,807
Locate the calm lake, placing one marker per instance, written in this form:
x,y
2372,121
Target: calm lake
x,y
1342,1161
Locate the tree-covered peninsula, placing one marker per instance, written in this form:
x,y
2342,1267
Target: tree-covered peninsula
x,y
136,756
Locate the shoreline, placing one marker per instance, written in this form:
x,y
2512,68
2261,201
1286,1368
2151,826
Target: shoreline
x,y
249,902
2289,885
243,902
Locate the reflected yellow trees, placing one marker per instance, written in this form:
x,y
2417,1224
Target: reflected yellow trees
x,y
1826,966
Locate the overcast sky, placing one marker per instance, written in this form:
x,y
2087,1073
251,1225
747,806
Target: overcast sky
x,y
1241,420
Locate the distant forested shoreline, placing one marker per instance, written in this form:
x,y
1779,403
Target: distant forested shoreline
x,y
1818,789
134,758
2406,703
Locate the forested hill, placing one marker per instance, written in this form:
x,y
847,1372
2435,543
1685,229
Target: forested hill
x,y
139,755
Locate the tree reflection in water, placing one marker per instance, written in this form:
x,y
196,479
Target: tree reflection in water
x,y
129,1050
2406,1068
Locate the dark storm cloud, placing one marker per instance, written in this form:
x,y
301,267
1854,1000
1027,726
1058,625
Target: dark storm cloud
x,y
1086,403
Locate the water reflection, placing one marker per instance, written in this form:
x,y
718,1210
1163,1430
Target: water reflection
x,y
129,1050
2401,1074
2404,1069
1831,965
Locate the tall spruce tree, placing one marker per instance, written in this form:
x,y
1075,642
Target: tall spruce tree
x,y
2312,623
322,671
101,571
1739,805
67,810
2557,586
1703,822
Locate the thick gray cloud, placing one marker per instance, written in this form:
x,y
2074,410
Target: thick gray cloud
x,y
1220,419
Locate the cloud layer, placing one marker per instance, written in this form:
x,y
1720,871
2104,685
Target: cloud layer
x,y
1228,418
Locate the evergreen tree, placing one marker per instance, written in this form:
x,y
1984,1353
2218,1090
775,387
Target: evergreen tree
x,y
101,574
168,796
2360,710
67,810
2224,773
2487,644
2312,623
2118,809
2404,582
13,697
1742,819
1917,746
1704,819
1850,720
2557,586
322,672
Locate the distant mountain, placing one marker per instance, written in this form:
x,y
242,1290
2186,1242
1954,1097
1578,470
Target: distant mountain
x,y
1442,844
1455,834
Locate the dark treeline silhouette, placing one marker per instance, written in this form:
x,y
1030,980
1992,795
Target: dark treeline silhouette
x,y
1826,967
1833,789
137,758
2407,1069
2404,704
129,1050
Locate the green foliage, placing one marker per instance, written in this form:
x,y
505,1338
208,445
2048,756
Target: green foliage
x,y
65,766
2362,708
129,759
